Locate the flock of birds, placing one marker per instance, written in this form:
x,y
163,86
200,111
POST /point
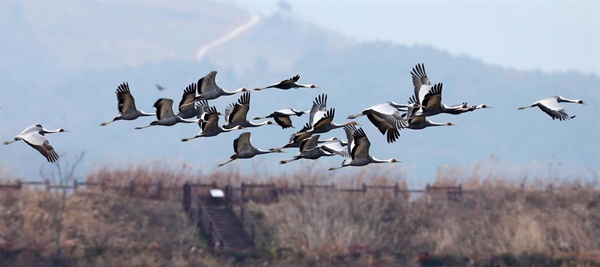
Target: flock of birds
x,y
389,118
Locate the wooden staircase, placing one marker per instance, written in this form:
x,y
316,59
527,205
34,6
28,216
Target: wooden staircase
x,y
223,229
231,229
217,221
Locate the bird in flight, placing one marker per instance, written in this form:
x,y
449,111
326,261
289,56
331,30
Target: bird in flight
x,y
243,149
288,84
126,106
551,106
34,137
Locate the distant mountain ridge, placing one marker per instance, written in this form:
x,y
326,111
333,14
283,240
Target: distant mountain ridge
x,y
72,64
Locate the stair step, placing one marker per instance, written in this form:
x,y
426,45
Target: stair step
x,y
230,227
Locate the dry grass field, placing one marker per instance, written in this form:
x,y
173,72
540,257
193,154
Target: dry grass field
x,y
494,223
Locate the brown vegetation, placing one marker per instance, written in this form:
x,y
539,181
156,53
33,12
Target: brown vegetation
x,y
100,229
488,221
494,223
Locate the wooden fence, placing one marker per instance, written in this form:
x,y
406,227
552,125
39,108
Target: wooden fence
x,y
244,192
156,190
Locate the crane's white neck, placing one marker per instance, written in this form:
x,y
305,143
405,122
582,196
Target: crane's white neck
x,y
375,160
576,101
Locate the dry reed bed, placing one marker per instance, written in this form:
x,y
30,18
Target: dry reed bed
x,y
490,220
97,229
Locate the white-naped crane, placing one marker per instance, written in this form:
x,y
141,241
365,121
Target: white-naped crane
x,y
235,114
429,97
187,108
334,139
304,133
422,122
288,84
412,108
386,118
326,124
318,109
283,117
321,119
464,108
358,149
421,82
243,149
208,88
431,104
203,109
210,124
165,115
34,137
126,105
310,148
296,138
551,106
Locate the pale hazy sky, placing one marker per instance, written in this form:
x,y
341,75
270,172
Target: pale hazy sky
x,y
546,35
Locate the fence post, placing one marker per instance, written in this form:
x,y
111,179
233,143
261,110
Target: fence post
x,y
159,189
131,188
187,197
396,190
74,185
47,183
364,188
273,193
243,212
19,184
228,204
243,192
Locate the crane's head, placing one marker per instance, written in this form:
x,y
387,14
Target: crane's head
x,y
449,124
579,101
312,86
